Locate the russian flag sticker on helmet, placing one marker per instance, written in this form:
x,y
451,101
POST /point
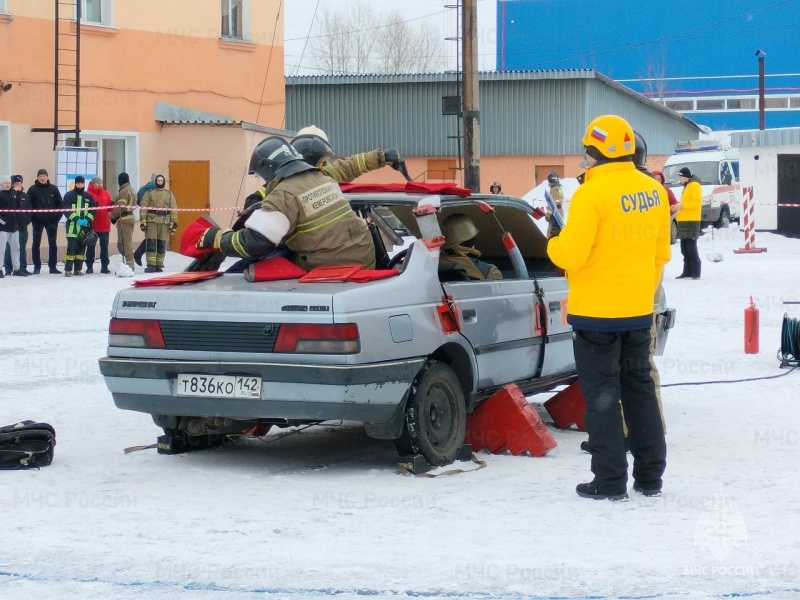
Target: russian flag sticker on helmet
x,y
599,134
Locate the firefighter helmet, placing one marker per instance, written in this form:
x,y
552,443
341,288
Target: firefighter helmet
x,y
313,144
640,152
274,157
458,228
552,177
611,136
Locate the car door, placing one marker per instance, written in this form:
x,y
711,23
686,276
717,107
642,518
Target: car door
x,y
498,319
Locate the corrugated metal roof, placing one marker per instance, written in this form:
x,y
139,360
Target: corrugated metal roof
x,y
447,76
173,114
521,113
768,137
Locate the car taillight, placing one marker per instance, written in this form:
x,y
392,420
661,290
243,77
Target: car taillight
x,y
135,333
318,339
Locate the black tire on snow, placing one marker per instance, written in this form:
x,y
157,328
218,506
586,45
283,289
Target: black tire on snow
x,y
436,416
724,219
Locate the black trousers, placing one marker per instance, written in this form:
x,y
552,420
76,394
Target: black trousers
x,y
52,231
691,258
102,237
614,367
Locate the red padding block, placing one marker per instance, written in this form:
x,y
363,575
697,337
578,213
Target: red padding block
x,y
506,421
568,408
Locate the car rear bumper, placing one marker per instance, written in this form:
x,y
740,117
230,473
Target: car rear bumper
x,y
369,393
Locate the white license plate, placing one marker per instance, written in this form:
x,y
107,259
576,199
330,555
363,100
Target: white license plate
x,y
219,386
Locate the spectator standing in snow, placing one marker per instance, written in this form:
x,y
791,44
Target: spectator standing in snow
x,y
45,195
101,225
124,218
150,185
613,270
688,221
23,220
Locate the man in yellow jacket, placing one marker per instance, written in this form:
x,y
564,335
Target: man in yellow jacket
x,y
688,222
614,247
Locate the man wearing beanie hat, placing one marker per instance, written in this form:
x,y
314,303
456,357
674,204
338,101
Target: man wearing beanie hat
x,y
687,220
23,219
45,196
8,220
77,201
124,218
101,225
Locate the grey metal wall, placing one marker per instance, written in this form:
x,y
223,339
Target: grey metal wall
x,y
542,113
660,128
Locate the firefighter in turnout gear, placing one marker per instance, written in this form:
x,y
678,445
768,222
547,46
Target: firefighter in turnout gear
x,y
313,144
158,221
78,224
305,210
458,260
124,218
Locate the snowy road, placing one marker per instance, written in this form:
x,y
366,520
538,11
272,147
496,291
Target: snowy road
x,y
323,513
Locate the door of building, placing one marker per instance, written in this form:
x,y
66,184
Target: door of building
x,y
189,181
788,193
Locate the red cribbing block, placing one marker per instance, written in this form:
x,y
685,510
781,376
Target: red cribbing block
x,y
506,421
567,407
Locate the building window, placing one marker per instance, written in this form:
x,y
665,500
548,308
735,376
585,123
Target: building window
x,y
716,104
741,104
441,169
680,104
770,102
112,159
794,102
96,12
235,19
3,7
5,147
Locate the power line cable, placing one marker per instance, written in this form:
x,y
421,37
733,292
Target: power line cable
x,y
302,54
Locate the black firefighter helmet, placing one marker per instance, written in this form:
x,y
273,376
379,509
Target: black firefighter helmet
x,y
273,157
313,144
639,150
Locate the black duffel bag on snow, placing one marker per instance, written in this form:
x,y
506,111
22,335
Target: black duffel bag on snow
x,y
26,445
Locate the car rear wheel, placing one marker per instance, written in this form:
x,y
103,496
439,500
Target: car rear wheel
x,y
673,232
436,416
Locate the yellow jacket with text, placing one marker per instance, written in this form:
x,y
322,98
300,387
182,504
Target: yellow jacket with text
x,y
613,247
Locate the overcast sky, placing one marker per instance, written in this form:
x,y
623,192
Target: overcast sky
x,y
299,14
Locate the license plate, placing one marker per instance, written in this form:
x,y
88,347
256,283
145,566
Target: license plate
x,y
219,386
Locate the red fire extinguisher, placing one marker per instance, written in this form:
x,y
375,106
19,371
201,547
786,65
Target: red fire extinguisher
x,y
751,328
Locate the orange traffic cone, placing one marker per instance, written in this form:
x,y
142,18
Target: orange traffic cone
x,y
506,421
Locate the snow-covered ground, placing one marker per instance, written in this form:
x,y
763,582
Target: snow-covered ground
x,y
323,513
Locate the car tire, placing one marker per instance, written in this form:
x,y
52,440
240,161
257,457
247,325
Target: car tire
x,y
436,416
673,232
724,219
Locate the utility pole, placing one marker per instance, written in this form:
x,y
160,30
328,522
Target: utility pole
x,y
761,55
472,129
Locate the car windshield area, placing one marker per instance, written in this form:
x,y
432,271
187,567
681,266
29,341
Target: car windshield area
x,y
707,172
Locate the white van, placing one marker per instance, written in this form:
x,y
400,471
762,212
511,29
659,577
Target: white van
x,y
718,171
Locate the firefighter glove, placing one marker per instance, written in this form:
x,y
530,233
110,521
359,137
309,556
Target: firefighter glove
x,y
143,225
82,222
210,239
554,229
173,226
392,157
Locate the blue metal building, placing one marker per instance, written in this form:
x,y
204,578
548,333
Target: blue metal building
x,y
695,57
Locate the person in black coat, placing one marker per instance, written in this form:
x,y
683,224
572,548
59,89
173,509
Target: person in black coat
x,y
45,195
8,220
23,220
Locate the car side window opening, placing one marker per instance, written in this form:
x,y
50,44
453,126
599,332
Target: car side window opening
x,y
725,175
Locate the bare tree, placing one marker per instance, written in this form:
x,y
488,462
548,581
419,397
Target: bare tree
x,y
654,82
357,41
